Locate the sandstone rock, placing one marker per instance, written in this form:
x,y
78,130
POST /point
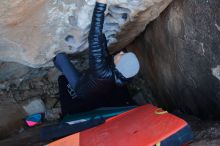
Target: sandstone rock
x,y
32,31
180,55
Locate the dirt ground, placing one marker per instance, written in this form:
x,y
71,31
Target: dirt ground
x,y
206,133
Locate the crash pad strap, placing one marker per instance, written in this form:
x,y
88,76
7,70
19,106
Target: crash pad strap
x,y
158,144
160,111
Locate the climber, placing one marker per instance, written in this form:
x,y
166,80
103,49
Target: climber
x,y
106,73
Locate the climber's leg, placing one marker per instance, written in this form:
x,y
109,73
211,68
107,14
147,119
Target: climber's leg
x,y
62,62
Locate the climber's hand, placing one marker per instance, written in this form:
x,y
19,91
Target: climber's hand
x,y
102,1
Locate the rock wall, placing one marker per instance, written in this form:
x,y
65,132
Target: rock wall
x,y
180,55
32,31
25,90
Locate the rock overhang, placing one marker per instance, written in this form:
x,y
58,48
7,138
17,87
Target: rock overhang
x,y
33,31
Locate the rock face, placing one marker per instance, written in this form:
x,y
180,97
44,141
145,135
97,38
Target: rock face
x,y
28,92
32,31
23,88
11,119
180,55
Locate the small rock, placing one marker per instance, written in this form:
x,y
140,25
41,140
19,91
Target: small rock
x,y
53,114
2,86
50,102
216,72
38,84
24,85
34,106
32,93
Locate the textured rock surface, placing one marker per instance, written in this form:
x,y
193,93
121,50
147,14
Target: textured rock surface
x,y
180,55
20,84
11,119
16,91
32,31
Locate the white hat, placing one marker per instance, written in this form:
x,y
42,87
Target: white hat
x,y
128,65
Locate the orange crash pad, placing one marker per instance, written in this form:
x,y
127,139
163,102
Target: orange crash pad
x,y
143,126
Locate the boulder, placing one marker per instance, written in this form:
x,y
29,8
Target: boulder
x,y
180,56
31,31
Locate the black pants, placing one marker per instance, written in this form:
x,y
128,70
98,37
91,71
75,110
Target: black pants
x,y
63,64
71,104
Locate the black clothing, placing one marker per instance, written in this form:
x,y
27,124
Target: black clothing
x,y
74,104
102,78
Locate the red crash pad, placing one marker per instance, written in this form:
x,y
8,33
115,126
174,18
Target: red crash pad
x,y
142,126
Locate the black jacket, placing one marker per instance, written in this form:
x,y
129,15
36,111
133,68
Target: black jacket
x,y
102,77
